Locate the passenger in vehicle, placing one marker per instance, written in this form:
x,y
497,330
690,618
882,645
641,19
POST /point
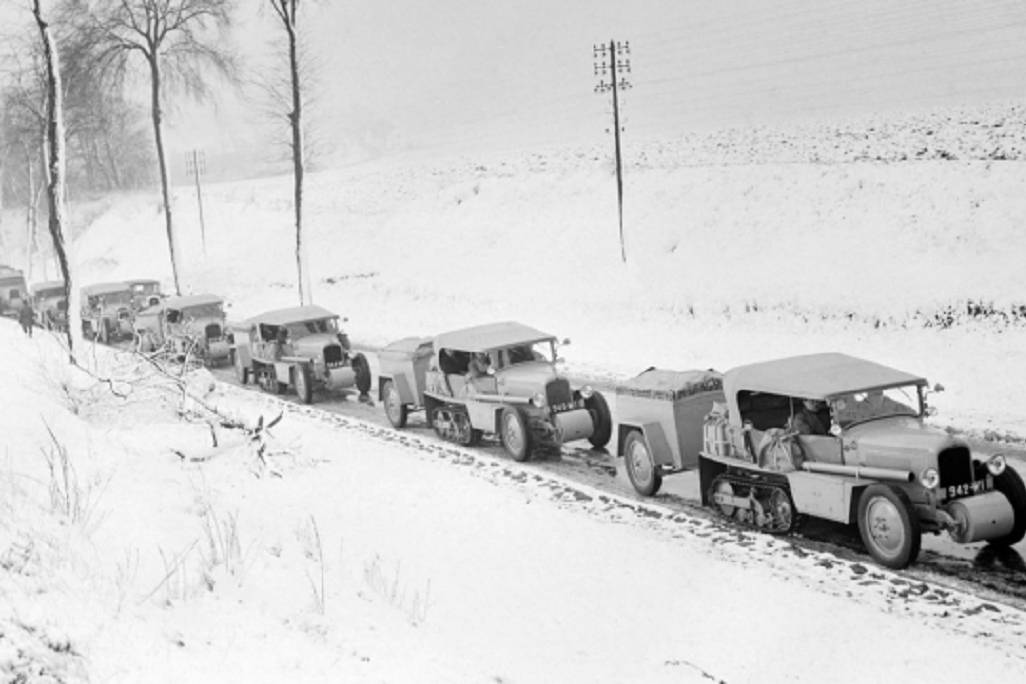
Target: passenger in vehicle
x,y
480,366
812,418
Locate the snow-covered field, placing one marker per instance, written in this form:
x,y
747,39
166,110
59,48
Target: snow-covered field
x,y
344,554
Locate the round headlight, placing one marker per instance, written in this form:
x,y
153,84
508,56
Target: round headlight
x,y
587,391
996,465
538,400
929,478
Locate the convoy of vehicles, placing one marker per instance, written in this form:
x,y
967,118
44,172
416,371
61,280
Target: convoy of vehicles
x,y
186,327
875,464
518,394
300,348
13,291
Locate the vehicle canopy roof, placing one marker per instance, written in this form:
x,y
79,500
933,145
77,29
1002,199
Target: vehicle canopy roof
x,y
491,336
104,288
47,286
671,384
294,314
814,376
142,281
187,301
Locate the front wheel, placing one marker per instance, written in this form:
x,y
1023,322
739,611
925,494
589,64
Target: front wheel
x,y
641,468
395,409
303,382
1011,485
888,526
363,374
602,418
513,432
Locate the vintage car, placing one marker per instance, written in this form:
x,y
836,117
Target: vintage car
x,y
302,348
145,293
50,305
192,326
13,291
521,397
107,311
878,464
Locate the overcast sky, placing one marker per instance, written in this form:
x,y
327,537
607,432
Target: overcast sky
x,y
466,75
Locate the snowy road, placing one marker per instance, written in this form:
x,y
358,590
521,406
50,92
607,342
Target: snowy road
x,y
974,568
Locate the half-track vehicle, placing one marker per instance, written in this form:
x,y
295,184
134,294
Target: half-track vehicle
x,y
145,292
877,465
13,291
192,326
50,305
300,348
521,397
107,312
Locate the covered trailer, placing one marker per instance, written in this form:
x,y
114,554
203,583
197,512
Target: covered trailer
x,y
662,414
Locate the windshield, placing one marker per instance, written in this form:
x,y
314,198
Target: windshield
x,y
203,311
859,407
324,325
145,288
111,299
524,353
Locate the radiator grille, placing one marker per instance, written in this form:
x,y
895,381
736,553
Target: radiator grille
x,y
558,395
955,466
333,356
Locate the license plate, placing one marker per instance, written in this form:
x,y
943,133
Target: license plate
x,y
970,488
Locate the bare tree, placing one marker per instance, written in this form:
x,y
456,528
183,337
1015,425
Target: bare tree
x,y
287,12
179,40
55,160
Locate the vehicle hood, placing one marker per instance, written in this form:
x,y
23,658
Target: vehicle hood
x,y
899,442
525,379
313,345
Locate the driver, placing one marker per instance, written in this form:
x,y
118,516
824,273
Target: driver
x,y
813,418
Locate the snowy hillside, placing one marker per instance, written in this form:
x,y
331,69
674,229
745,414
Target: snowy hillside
x,y
780,249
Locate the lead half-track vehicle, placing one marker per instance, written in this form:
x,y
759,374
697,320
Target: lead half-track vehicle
x,y
192,326
301,348
878,464
522,398
107,313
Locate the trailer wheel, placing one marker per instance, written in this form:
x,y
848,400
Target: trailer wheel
x,y
513,431
641,469
888,526
395,409
303,383
363,374
603,419
1011,485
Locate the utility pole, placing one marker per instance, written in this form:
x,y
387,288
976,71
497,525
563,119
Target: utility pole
x,y
614,60
196,166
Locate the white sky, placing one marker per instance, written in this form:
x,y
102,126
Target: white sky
x,y
460,75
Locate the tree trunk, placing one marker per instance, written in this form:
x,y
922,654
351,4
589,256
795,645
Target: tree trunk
x,y
55,185
296,119
162,163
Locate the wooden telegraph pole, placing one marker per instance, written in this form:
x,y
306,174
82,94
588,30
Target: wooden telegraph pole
x,y
196,166
614,60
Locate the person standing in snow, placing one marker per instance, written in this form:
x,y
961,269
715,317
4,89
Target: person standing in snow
x,y
26,316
